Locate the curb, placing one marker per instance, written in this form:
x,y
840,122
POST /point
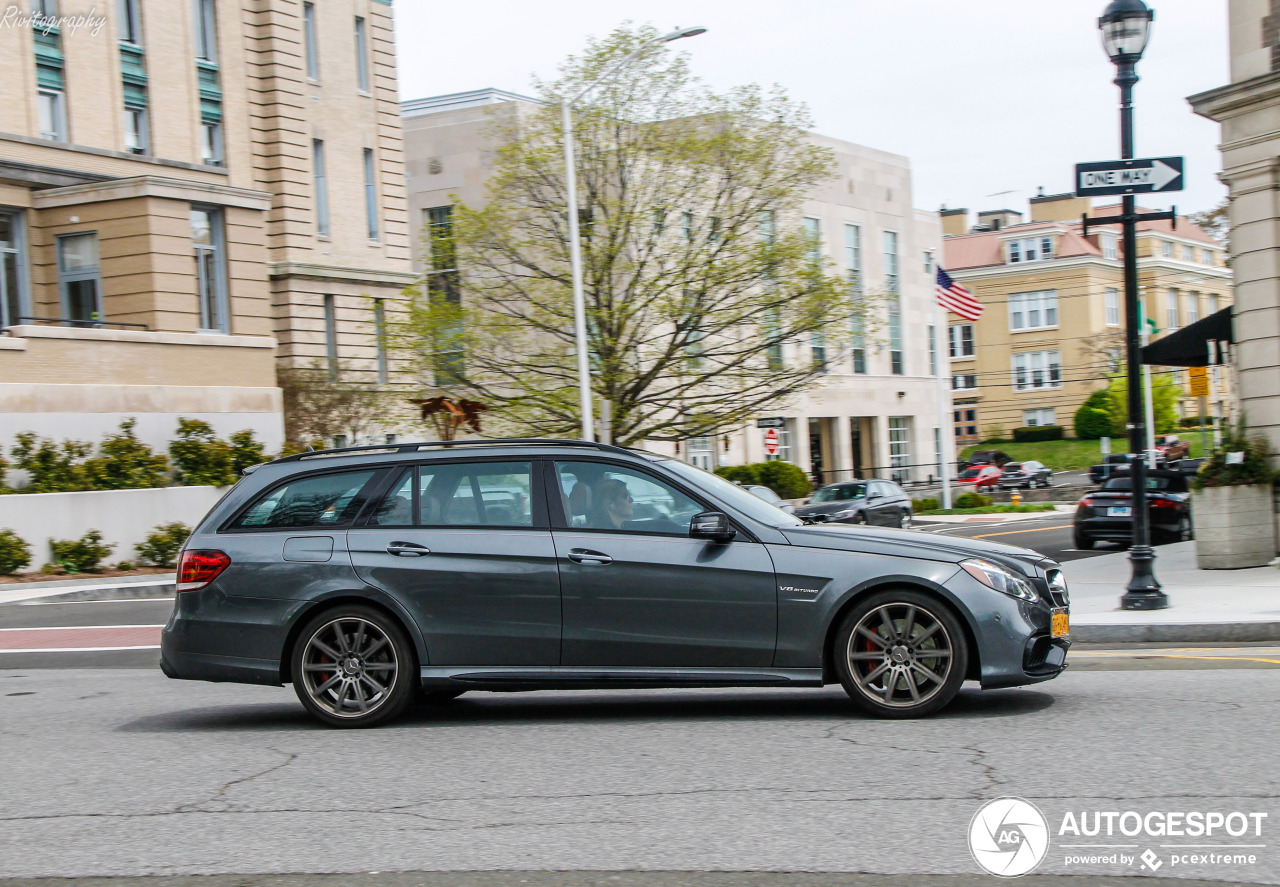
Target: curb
x,y
1177,633
114,593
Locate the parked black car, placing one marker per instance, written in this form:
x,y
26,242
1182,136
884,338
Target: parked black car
x,y
879,502
1100,473
984,457
1106,515
1186,467
1025,474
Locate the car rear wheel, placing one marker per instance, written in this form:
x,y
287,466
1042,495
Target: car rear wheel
x,y
1084,543
1185,533
900,654
353,666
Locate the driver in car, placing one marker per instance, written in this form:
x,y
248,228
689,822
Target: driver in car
x,y
613,505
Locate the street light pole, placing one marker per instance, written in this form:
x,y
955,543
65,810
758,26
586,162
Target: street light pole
x,y
1125,26
575,248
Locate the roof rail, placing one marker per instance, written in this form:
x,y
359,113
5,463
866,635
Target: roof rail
x,y
484,442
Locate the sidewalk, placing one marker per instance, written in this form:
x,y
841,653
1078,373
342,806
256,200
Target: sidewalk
x,y
156,585
1205,606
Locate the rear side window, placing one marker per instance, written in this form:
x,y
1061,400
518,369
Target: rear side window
x,y
474,494
325,500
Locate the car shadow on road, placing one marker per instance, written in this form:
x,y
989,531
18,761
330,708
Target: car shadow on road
x,y
550,707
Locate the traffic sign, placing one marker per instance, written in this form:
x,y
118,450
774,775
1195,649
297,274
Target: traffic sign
x,y
771,441
774,422
1198,379
1142,176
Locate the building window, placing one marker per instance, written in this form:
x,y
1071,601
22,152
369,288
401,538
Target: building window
x,y
858,344
933,350
900,448
1193,308
1037,418
773,336
309,36
380,335
1030,249
53,115
331,336
767,225
895,337
1171,311
1033,311
853,257
818,351
961,335
362,56
128,22
1213,303
686,226
966,423
1037,369
1188,253
1111,299
813,237
211,144
206,32
135,131
13,270
1166,249
211,268
928,263
79,278
1110,246
370,195
444,293
964,382
891,261
700,451
321,188
784,443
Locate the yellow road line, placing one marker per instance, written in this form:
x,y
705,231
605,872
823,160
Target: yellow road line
x,y
1178,656
1015,532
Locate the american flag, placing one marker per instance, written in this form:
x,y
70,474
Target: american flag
x,y
954,297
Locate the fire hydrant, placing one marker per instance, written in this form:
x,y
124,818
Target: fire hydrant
x,y
1016,498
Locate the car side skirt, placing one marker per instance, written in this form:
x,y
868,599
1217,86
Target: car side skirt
x,y
459,677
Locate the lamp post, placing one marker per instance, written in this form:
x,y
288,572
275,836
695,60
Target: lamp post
x,y
1125,27
575,249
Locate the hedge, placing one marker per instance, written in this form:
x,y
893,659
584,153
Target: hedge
x,y
1037,432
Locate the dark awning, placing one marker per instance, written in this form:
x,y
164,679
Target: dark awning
x,y
1190,346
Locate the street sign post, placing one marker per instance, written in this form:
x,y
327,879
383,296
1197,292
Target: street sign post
x,y
1198,381
772,422
1140,176
771,441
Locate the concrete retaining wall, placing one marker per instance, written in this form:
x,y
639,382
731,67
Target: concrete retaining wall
x,y
1235,527
124,517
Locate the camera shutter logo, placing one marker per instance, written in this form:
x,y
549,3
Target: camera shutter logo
x,y
1008,837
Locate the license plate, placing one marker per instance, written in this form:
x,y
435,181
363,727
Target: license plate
x,y
1060,626
1119,511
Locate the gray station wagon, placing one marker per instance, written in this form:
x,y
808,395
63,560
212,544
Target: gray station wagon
x,y
368,576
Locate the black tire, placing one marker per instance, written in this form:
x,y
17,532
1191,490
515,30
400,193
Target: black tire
x,y
1084,543
1185,531
439,697
859,518
904,519
369,652
936,665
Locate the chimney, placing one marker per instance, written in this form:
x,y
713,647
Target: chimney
x,y
954,221
1058,207
996,219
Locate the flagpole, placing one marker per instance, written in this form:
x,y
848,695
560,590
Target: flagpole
x,y
946,427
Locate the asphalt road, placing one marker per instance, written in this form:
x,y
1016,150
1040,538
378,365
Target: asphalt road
x,y
1048,533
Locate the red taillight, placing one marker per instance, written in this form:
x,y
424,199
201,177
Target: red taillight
x,y
1086,502
1163,503
197,569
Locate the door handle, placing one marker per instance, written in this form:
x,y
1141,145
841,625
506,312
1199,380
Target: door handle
x,y
408,549
588,557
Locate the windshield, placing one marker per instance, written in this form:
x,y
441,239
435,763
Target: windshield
x,y
733,495
1013,468
1167,484
840,493
970,472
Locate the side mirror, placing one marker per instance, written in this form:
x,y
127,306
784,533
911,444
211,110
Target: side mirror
x,y
713,525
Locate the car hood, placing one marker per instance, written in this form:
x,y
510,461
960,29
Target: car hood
x,y
829,507
911,543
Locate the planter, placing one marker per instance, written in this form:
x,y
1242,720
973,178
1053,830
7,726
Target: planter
x,y
1235,527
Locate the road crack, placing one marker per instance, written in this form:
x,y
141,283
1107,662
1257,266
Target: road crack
x,y
220,797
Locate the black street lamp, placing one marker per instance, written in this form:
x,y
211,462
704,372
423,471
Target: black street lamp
x,y
1125,26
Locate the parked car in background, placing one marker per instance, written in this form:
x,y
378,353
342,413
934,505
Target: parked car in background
x,y
985,457
983,477
1106,515
1186,467
1025,474
1100,473
768,495
1169,448
879,502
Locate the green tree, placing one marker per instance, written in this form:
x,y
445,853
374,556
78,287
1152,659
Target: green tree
x,y
1165,395
705,299
200,457
1093,418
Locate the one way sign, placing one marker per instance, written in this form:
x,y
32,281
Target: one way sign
x,y
1129,176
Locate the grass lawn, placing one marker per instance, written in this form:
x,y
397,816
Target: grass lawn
x,y
1068,455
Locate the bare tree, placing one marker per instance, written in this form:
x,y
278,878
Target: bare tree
x,y
321,402
706,301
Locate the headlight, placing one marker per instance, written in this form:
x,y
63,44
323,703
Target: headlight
x,y
841,515
1002,580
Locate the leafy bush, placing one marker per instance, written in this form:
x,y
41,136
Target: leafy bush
x,y
1037,432
14,552
741,474
245,451
926,504
785,479
200,457
1093,419
972,500
81,555
126,463
53,468
125,565
1253,469
163,544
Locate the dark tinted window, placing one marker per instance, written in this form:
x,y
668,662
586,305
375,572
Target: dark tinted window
x,y
472,494
1164,484
325,500
840,493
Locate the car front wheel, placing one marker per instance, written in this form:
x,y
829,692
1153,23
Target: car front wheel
x,y
900,654
353,666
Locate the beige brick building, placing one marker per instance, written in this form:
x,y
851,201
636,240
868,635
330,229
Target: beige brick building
x,y
1052,299
192,192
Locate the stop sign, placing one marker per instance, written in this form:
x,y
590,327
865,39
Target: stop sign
x,y
771,441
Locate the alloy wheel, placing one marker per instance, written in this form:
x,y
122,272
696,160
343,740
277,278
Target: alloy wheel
x,y
900,655
349,667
